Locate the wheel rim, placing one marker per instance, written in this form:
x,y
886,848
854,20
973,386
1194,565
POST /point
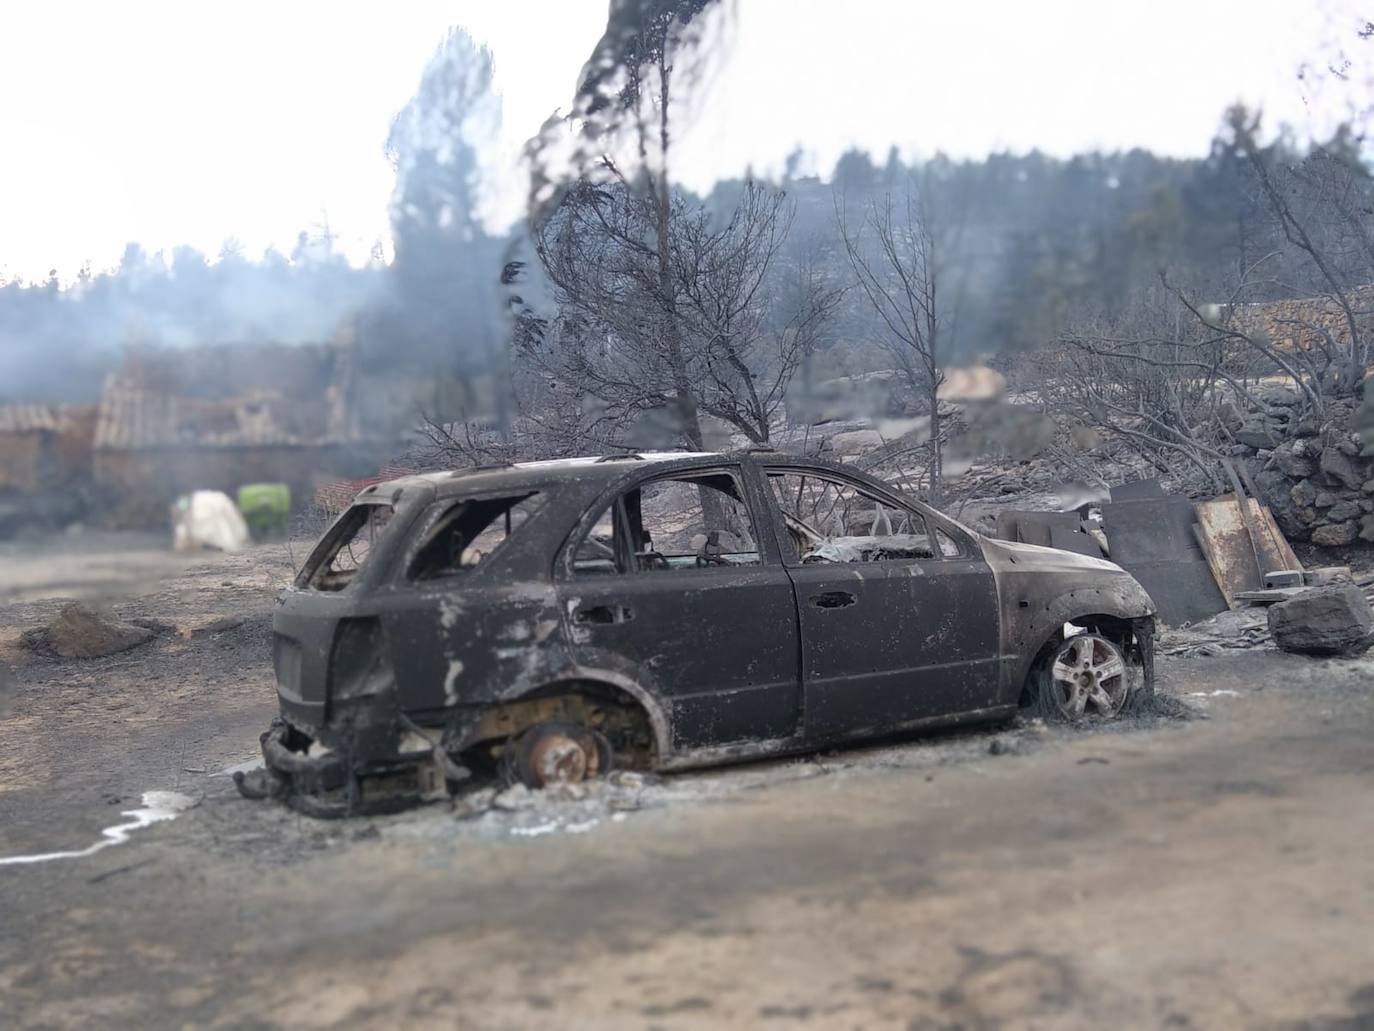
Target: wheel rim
x,y
1088,677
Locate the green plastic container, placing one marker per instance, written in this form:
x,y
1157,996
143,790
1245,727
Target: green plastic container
x,y
266,507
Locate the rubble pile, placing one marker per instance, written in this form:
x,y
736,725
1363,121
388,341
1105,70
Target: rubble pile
x,y
80,632
1237,628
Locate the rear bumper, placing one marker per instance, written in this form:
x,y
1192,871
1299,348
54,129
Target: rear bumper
x,y
330,783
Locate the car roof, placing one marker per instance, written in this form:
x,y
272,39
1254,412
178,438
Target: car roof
x,y
531,475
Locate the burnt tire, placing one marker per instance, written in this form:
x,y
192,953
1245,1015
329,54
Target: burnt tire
x,y
1083,677
557,753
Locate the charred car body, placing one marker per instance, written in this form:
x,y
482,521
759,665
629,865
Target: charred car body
x,y
662,611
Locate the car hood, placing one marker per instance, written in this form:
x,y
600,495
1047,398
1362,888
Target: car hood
x,y
1032,557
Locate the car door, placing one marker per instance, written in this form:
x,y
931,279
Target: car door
x,y
898,611
702,614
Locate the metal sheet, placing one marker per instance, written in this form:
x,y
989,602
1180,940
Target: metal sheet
x,y
1184,592
1048,530
1075,540
1138,490
1228,549
1151,531
1153,540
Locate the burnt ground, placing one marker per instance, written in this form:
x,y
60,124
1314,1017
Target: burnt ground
x,y
1213,871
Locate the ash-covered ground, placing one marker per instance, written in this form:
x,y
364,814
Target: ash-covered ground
x,y
1203,868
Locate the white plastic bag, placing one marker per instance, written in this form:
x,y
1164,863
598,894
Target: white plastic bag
x,y
208,519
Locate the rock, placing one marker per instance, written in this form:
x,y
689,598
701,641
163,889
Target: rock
x,y
1255,432
79,632
856,442
1367,487
1275,490
1367,528
1367,504
1274,395
1325,499
1348,446
1334,620
1293,462
1304,494
1344,510
1335,535
1341,468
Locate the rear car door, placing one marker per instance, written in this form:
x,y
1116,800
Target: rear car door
x,y
898,609
668,583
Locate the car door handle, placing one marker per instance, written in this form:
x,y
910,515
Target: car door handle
x,y
833,600
603,614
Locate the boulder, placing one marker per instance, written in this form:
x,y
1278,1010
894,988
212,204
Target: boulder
x,y
1325,499
1336,535
1339,467
1367,528
1276,490
1274,395
1255,432
1342,511
1367,487
1293,460
79,632
1332,620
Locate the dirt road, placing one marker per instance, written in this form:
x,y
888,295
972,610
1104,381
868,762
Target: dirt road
x,y
1212,872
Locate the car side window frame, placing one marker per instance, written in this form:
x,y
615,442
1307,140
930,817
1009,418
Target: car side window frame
x,y
791,558
431,512
625,564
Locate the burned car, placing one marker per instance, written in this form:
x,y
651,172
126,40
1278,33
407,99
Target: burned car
x,y
546,620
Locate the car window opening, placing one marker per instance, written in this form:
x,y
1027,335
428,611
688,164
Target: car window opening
x,y
348,548
831,521
689,522
468,533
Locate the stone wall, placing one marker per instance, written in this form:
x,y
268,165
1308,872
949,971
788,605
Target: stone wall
x,y
1317,480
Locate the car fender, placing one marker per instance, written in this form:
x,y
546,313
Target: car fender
x,y
1029,628
608,668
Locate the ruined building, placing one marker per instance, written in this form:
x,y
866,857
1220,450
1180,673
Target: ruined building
x,y
173,421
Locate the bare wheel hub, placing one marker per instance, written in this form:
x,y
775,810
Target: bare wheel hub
x,y
560,753
1088,677
559,760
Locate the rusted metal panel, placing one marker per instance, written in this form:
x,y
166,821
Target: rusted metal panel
x,y
1230,555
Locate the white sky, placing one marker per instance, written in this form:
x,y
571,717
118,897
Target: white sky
x,y
176,122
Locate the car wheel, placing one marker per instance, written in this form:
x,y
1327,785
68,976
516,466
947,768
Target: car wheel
x,y
557,753
1086,676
